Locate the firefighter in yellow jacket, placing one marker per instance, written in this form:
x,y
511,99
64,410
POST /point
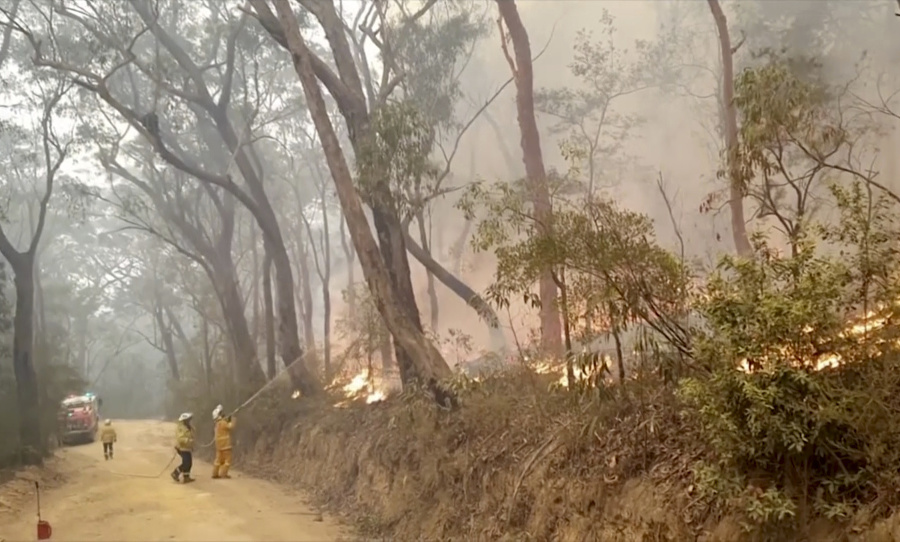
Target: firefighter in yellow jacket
x,y
108,438
184,445
224,426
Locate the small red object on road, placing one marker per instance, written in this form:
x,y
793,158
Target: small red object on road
x,y
43,527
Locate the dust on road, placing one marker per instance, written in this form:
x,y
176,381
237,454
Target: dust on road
x,y
97,504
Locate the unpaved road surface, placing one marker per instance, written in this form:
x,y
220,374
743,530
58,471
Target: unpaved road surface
x,y
100,501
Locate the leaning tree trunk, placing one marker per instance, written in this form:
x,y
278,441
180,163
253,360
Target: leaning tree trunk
x,y
461,289
391,302
432,292
551,332
728,117
393,253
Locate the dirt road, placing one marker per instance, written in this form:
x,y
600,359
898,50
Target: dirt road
x,y
96,503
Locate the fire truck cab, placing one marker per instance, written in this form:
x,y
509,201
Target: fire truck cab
x,y
78,419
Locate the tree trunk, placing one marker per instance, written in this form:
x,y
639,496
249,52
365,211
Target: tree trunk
x,y
551,332
432,293
207,355
458,249
326,287
257,202
254,290
350,256
248,374
427,361
27,393
179,331
269,316
393,254
165,334
620,359
461,289
387,355
728,117
309,330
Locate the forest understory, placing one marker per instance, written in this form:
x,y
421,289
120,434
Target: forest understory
x,y
635,278
522,459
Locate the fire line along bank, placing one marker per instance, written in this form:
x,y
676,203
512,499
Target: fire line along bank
x,y
78,419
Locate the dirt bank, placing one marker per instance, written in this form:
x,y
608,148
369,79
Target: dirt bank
x,y
516,462
87,498
502,468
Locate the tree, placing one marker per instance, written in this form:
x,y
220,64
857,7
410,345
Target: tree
x,y
522,70
794,133
24,166
128,66
610,272
421,360
594,131
728,119
181,206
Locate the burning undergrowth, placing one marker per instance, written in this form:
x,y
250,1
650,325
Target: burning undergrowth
x,y
525,459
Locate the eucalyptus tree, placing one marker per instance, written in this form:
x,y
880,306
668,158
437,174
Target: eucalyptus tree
x,y
387,269
34,150
360,93
177,74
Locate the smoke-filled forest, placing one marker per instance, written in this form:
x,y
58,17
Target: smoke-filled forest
x,y
460,269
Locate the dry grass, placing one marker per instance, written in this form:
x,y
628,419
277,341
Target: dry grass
x,y
516,462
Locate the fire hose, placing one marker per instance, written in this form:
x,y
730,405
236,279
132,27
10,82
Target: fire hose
x,y
211,442
241,406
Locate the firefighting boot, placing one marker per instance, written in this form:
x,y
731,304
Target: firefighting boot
x,y
215,473
106,456
175,475
223,472
186,478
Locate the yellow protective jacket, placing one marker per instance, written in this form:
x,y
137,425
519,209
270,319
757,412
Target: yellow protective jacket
x,y
107,434
223,433
184,438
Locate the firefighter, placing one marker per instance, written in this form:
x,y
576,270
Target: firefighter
x,y
108,438
184,445
224,426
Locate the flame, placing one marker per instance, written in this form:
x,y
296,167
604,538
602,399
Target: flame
x,y
363,385
870,322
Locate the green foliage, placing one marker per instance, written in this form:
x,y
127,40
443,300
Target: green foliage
x,y
792,137
397,152
790,436
604,257
593,131
432,52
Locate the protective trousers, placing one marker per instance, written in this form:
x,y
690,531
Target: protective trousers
x,y
222,464
184,470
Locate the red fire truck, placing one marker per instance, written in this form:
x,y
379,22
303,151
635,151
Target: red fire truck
x,y
78,418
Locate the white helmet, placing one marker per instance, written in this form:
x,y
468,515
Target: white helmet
x,y
217,412
107,422
185,416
